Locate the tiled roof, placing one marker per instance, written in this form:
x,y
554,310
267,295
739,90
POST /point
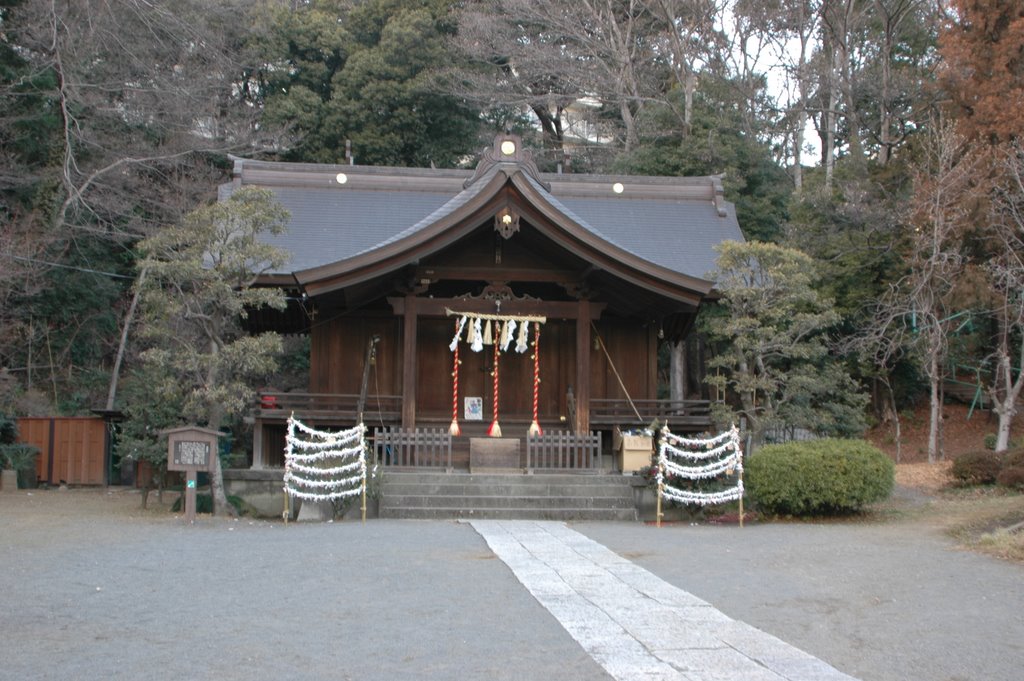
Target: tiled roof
x,y
670,222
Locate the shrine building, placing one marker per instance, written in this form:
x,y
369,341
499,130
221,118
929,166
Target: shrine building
x,y
450,306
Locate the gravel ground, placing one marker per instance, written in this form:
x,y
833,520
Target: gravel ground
x,y
91,588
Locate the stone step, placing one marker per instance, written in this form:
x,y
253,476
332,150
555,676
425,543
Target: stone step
x,y
554,496
489,501
448,513
505,489
510,478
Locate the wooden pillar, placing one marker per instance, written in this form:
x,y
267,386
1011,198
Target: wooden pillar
x,y
409,363
582,424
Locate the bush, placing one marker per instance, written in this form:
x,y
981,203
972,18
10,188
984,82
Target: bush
x,y
1012,477
1013,457
818,477
976,468
14,455
204,503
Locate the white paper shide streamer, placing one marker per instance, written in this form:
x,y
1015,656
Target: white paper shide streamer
x,y
322,465
700,459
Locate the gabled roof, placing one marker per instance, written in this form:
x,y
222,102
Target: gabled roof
x,y
349,223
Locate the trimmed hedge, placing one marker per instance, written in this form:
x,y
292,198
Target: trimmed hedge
x,y
1013,458
1012,477
976,468
818,477
985,468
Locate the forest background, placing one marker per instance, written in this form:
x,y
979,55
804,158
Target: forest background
x,y
876,140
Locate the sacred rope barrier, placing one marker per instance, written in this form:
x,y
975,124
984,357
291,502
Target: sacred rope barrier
x,y
497,330
322,465
699,459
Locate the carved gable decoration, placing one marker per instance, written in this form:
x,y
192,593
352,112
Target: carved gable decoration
x,y
507,148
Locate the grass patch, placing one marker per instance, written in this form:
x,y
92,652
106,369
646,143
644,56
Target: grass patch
x,y
987,520
1003,543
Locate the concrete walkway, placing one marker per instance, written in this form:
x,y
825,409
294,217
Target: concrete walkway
x,y
632,623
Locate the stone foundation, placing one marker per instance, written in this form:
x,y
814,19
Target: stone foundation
x,y
262,490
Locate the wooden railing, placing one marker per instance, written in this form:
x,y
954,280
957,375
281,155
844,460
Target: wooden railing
x,y
419,447
563,451
679,414
341,408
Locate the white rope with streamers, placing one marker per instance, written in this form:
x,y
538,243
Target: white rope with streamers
x,y
700,459
306,447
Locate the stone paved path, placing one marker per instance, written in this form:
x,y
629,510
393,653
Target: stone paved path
x,y
634,624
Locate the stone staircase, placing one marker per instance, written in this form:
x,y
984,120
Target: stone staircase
x,y
542,496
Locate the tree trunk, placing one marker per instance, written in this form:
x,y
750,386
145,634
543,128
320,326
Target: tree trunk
x,y
220,499
935,413
828,149
895,415
632,140
1004,396
116,371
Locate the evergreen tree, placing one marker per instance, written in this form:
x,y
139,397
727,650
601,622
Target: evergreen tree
x,y
340,72
769,336
197,291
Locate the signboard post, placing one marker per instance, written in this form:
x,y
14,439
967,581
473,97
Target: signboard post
x,y
191,449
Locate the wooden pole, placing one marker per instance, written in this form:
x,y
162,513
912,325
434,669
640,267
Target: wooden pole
x,y
364,498
658,513
741,498
190,495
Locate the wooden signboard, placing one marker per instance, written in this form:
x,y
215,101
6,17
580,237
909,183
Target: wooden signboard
x,y
191,449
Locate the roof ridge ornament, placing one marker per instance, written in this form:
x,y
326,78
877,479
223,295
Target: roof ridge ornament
x,y
507,148
718,194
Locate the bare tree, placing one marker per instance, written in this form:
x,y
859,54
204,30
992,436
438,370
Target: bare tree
x,y
135,103
688,39
1007,276
547,55
790,31
916,315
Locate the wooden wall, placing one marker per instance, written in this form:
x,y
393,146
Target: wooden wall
x,y
72,450
338,349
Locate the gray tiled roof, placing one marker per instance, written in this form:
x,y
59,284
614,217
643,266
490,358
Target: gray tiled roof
x,y
676,234
331,222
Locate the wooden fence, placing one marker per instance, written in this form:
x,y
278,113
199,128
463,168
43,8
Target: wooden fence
x,y
419,447
563,451
680,415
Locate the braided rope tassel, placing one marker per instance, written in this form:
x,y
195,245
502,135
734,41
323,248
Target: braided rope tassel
x,y
535,425
454,428
495,429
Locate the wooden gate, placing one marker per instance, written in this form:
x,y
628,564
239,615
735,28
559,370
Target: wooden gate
x,y
72,450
